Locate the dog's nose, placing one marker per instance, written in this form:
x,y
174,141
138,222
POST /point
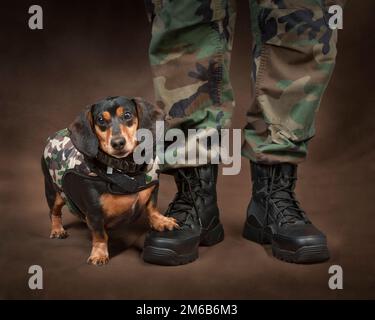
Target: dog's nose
x,y
118,143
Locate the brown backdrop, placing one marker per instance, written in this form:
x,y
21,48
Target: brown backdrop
x,y
92,49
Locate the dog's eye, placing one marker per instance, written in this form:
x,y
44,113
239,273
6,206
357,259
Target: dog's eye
x,y
127,116
100,120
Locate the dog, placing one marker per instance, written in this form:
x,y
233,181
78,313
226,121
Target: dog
x,y
89,167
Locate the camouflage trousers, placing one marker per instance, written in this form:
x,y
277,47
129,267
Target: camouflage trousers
x,y
294,52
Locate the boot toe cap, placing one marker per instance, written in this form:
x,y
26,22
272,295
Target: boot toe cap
x,y
294,237
180,242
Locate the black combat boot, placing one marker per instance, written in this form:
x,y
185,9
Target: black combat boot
x,y
195,209
275,217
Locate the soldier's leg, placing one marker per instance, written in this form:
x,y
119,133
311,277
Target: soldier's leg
x,y
190,59
294,56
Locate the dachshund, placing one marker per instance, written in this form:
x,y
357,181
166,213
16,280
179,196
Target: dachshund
x,y
89,167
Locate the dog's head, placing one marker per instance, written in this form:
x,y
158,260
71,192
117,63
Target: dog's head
x,y
111,125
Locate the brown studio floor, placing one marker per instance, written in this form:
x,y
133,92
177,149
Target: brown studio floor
x,y
47,77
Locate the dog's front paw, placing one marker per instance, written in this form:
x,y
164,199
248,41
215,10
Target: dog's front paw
x,y
59,233
164,223
98,260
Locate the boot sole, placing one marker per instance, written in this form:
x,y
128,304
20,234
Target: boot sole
x,y
304,255
168,257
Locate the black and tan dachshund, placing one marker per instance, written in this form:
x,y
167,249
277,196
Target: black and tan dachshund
x,y
90,168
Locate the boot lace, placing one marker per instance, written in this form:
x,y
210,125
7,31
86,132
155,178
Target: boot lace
x,y
185,198
280,191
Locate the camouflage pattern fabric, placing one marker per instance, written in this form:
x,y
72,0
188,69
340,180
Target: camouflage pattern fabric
x,y
294,55
61,155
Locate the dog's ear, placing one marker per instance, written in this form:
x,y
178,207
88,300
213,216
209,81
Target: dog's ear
x,y
148,113
82,133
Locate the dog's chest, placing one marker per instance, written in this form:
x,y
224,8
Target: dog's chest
x,y
119,207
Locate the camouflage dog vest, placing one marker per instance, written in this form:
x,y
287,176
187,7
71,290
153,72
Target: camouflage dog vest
x,y
61,156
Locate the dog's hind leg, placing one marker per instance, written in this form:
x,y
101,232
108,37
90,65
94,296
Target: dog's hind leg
x,y
55,204
57,229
